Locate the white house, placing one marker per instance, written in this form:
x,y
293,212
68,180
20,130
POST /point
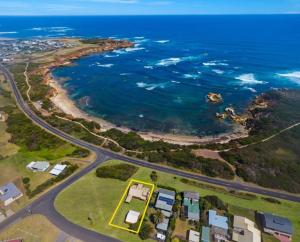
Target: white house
x,y
57,169
38,165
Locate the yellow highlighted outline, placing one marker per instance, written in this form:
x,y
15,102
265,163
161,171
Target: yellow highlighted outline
x,y
122,200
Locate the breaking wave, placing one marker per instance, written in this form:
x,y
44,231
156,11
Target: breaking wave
x,y
175,60
9,32
249,79
152,86
220,72
215,63
52,29
105,65
162,41
293,76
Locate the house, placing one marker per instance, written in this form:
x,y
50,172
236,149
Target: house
x,y
137,191
194,236
38,165
205,234
244,230
165,200
163,226
217,220
9,193
219,226
57,169
191,205
132,217
280,227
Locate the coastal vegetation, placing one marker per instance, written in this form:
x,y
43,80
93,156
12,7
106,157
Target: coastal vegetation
x,y
120,171
101,204
272,162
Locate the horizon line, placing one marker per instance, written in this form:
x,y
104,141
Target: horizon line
x,y
136,15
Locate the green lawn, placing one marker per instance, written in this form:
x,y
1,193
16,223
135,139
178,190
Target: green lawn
x,y
97,198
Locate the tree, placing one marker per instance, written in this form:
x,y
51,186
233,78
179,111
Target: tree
x,y
154,176
157,217
146,231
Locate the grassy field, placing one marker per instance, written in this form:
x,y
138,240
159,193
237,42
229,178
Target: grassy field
x,y
99,204
34,228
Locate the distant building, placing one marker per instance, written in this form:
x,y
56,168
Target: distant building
x,y
280,227
160,236
191,205
163,226
138,191
132,217
165,200
244,230
219,226
9,193
194,236
58,169
38,165
205,234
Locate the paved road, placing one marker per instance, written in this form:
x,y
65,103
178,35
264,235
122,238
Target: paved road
x,y
45,204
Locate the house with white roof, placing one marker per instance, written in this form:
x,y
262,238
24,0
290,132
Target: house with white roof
x,y
58,169
244,230
9,193
132,217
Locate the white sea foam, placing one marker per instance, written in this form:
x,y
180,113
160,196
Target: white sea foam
x,y
177,82
52,29
134,49
141,115
148,67
176,60
162,41
220,72
125,74
8,32
214,63
249,79
191,76
104,65
120,52
150,86
139,37
110,56
250,89
293,76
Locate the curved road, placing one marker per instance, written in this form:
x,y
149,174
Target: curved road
x,y
45,204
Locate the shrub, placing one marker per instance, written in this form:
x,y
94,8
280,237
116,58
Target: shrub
x,y
216,202
271,200
121,171
146,231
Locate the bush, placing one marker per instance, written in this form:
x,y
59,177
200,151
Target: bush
x,y
216,202
146,231
121,171
26,180
271,200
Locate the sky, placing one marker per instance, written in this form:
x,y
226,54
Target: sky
x,y
147,7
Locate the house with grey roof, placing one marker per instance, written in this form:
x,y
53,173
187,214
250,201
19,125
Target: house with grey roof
x,y
9,193
275,225
163,226
38,165
165,200
191,205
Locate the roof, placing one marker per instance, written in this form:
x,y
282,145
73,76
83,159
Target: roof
x,y
191,195
244,230
217,220
57,169
38,165
167,192
277,223
8,191
205,234
165,200
192,209
194,236
166,213
132,217
163,225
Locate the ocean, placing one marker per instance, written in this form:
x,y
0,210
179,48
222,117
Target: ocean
x,y
161,84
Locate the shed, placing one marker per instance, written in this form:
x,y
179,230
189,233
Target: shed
x,y
194,236
132,217
57,169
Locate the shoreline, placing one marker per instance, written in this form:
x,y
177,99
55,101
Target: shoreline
x,y
63,102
